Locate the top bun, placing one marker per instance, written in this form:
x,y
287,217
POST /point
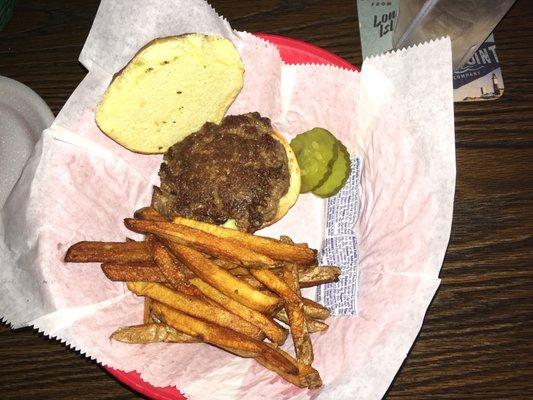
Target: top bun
x,y
169,89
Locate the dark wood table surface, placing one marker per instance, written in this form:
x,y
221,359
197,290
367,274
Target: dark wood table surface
x,y
476,339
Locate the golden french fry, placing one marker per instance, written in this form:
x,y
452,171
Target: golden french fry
x,y
195,307
308,276
275,249
250,280
151,333
307,376
239,271
145,271
315,275
108,252
205,242
170,267
315,310
297,322
272,330
295,310
148,213
223,337
225,282
147,311
313,325
275,284
225,264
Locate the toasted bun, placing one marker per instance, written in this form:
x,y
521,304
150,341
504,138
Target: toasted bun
x,y
170,88
287,201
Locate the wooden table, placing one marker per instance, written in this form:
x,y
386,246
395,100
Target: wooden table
x,y
476,339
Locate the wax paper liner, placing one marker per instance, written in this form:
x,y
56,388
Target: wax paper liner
x,y
79,185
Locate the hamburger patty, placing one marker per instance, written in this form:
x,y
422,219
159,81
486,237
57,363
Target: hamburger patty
x,y
235,170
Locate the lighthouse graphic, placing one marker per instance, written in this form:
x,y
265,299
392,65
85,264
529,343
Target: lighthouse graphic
x,y
496,88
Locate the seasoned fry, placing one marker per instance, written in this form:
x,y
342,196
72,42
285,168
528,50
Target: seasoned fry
x,y
275,249
210,244
274,283
148,213
272,330
315,310
225,282
239,271
230,266
295,311
108,252
250,280
170,267
308,276
307,376
223,337
144,271
206,283
313,325
147,311
315,275
294,307
151,333
195,307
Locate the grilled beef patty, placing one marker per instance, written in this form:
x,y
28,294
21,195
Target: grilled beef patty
x,y
235,170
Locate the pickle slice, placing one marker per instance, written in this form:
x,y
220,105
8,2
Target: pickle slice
x,y
316,151
340,172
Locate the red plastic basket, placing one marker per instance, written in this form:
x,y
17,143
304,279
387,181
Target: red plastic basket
x,y
292,51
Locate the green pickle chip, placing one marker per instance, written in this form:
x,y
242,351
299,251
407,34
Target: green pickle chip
x,y
316,151
340,172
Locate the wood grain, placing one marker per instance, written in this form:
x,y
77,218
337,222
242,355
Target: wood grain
x,y
476,339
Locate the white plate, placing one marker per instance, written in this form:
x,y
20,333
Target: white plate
x,y
23,116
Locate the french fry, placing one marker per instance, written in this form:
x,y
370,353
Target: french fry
x,y
170,267
307,276
148,213
239,271
150,273
275,284
307,376
225,282
108,252
294,307
313,325
316,275
147,311
205,283
272,330
250,280
275,249
195,307
225,338
226,264
315,310
297,321
151,333
144,271
205,242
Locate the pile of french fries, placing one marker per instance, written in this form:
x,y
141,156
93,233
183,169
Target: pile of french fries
x,y
205,283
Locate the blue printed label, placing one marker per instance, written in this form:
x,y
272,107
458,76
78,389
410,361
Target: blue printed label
x,y
340,246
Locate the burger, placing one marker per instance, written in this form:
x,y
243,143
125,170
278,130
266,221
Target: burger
x,y
240,173
171,99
